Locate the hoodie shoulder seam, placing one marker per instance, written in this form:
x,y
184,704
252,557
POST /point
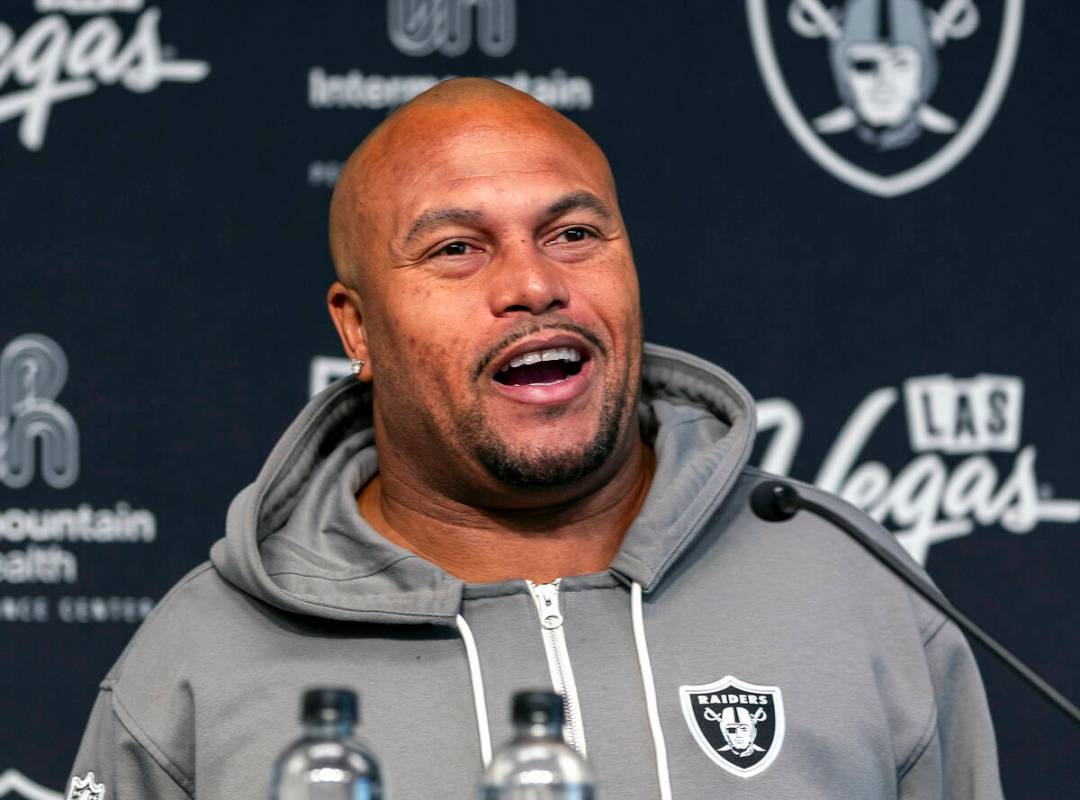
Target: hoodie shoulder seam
x,y
127,721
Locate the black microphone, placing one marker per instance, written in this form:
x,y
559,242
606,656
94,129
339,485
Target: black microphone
x,y
776,501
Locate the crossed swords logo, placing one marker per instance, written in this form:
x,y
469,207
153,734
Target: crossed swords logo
x,y
955,19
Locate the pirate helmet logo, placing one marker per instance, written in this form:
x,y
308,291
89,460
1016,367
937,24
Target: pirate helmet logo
x,y
885,68
886,60
738,725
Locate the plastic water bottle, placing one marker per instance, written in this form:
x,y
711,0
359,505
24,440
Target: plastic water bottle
x,y
327,762
537,764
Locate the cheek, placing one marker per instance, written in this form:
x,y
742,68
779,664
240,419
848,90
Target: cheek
x,y
613,297
420,343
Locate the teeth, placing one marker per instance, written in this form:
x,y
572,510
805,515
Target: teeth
x,y
536,356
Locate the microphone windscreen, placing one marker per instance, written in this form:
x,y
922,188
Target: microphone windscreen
x,y
774,501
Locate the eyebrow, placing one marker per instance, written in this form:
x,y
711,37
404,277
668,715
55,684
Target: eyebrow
x,y
434,218
441,216
579,200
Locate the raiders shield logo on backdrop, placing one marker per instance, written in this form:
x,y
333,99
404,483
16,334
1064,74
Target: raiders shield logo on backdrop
x,y
739,725
887,95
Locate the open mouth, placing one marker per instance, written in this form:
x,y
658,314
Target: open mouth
x,y
541,367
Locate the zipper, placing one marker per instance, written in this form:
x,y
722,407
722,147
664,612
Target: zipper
x,y
546,598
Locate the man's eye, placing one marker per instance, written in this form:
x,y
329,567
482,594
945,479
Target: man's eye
x,y
574,235
453,249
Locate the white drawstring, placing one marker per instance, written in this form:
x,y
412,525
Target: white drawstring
x,y
650,691
477,690
644,664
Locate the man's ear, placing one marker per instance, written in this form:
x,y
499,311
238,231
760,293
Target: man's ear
x,y
347,312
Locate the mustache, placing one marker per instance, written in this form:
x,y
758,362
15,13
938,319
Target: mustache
x,y
529,330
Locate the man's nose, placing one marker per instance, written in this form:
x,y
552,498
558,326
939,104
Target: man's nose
x,y
524,280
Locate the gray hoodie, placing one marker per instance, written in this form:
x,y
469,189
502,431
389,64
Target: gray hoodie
x,y
718,656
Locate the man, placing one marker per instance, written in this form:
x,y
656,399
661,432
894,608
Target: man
x,y
515,493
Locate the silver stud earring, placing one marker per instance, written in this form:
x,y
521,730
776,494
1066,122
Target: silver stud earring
x,y
356,365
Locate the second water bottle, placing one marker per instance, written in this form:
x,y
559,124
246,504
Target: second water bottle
x,y
537,764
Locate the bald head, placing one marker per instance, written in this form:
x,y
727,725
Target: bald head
x,y
474,110
472,223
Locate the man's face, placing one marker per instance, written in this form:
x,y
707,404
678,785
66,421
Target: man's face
x,y
885,80
500,304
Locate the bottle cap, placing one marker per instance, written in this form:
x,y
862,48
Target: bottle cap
x,y
330,706
538,708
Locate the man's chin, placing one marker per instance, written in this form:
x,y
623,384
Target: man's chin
x,y
539,468
560,447
558,455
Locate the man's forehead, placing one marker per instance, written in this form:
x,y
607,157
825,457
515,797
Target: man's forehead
x,y
441,157
481,173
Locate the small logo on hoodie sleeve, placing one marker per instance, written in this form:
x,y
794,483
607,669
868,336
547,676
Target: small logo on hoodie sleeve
x,y
85,788
738,725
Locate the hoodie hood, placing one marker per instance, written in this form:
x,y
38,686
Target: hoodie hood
x,y
294,538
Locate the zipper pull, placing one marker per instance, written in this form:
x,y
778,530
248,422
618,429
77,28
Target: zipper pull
x,y
546,597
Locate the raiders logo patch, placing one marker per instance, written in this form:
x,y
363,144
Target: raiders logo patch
x,y
85,788
739,725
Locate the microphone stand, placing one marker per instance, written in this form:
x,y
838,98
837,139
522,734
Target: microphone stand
x,y
776,501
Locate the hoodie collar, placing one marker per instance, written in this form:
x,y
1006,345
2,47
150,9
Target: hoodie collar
x,y
700,422
295,539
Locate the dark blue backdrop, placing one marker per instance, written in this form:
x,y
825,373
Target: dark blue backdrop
x,y
906,314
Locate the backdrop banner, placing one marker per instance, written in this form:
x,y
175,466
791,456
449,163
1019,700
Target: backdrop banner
x,y
867,216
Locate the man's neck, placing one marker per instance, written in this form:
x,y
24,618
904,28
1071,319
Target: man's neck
x,y
485,546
